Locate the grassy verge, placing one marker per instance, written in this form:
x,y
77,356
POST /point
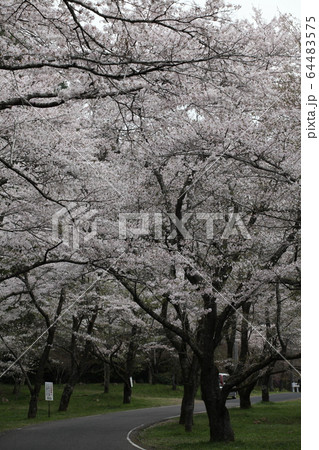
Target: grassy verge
x,y
87,399
264,426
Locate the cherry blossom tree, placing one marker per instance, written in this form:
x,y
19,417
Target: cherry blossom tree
x,y
255,166
179,116
37,314
79,354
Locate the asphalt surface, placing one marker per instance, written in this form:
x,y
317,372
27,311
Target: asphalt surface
x,y
101,432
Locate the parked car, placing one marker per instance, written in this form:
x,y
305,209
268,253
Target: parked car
x,y
223,380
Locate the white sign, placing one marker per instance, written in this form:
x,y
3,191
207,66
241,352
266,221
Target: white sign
x,y
48,385
131,381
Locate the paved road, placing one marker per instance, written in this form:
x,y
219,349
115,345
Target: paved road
x,y
101,432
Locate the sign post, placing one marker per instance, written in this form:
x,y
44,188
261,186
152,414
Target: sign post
x,y
48,385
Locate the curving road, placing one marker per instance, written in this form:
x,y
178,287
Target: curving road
x,y
101,432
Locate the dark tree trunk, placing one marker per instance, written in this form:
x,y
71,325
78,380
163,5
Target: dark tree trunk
x,y
230,335
190,372
74,374
271,383
281,384
265,387
77,368
244,395
264,393
244,340
150,375
106,378
174,386
18,382
35,391
187,407
129,365
218,415
65,397
34,397
33,404
266,383
244,392
214,399
127,393
68,391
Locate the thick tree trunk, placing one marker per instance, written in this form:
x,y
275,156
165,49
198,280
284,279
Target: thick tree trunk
x,y
33,403
214,399
244,395
244,401
65,397
266,383
127,393
35,391
190,372
218,415
187,407
77,368
265,388
33,407
264,393
106,378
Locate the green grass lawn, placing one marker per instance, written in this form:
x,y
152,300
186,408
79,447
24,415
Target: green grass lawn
x,y
87,399
264,426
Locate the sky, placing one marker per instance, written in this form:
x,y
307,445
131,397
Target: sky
x,y
269,7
